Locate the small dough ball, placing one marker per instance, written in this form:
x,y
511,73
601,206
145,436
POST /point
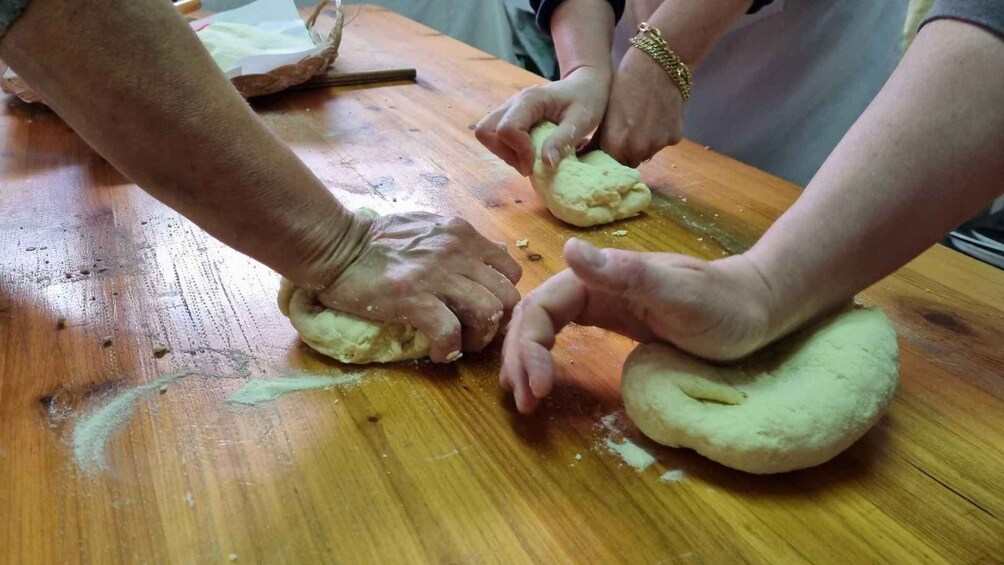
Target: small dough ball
x,y
796,404
347,337
590,190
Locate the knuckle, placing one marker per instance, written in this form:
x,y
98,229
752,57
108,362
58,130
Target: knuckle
x,y
455,224
399,285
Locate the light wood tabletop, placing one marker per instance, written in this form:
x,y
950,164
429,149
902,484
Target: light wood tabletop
x,y
422,463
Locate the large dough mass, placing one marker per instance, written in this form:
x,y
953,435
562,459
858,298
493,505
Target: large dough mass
x,y
796,404
589,190
347,337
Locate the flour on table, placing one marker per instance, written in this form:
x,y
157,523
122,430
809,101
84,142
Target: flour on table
x,y
91,434
589,190
674,476
258,391
630,453
796,404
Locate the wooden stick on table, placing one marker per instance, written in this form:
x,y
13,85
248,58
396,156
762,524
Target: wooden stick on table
x,y
188,6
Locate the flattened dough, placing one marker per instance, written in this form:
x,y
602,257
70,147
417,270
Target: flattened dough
x,y
590,190
347,337
796,404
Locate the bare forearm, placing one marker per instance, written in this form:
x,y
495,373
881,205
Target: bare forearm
x,y
926,155
140,89
692,27
583,34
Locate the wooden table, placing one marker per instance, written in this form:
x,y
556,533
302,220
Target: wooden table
x,y
423,463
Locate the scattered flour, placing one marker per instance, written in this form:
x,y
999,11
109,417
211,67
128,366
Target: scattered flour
x,y
258,391
189,499
90,435
672,476
443,456
633,455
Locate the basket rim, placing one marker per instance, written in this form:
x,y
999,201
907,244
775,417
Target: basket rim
x,y
331,43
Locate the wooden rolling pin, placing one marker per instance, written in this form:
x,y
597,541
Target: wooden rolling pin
x,y
188,6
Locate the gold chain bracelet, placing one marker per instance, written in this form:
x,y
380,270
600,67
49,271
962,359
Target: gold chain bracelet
x,y
649,40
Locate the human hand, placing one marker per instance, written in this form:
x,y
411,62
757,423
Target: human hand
x,y
435,273
576,103
645,111
721,310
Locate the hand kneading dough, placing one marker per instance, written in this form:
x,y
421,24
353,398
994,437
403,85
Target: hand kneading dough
x,y
347,337
590,190
796,404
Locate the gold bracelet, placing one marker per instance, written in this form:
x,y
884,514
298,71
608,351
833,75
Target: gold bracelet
x,y
650,40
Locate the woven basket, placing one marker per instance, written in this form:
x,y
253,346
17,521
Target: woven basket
x,y
276,80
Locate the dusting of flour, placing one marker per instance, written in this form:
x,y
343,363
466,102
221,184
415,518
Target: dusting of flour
x,y
630,453
90,435
258,391
615,442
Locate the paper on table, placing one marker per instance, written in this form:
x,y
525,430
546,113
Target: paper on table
x,y
279,16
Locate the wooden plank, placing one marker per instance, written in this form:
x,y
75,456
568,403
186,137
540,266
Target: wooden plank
x,y
422,463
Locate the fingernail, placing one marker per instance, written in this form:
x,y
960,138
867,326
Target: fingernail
x,y
553,157
590,255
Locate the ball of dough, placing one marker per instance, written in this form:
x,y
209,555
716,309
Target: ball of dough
x,y
796,404
347,337
590,190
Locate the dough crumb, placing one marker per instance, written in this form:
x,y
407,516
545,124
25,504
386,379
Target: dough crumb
x,y
619,233
534,257
29,249
521,243
453,356
578,457
106,341
160,351
233,556
672,476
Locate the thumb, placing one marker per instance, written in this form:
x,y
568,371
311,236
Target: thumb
x,y
613,270
566,137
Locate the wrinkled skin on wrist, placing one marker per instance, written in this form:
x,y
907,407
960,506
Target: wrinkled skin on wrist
x,y
720,310
645,111
433,272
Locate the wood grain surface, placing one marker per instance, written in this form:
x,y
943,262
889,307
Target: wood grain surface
x,y
418,463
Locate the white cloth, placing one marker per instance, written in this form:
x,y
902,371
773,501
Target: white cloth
x,y
781,88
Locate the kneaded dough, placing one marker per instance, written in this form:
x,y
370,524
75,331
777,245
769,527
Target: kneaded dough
x,y
347,337
590,190
796,404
